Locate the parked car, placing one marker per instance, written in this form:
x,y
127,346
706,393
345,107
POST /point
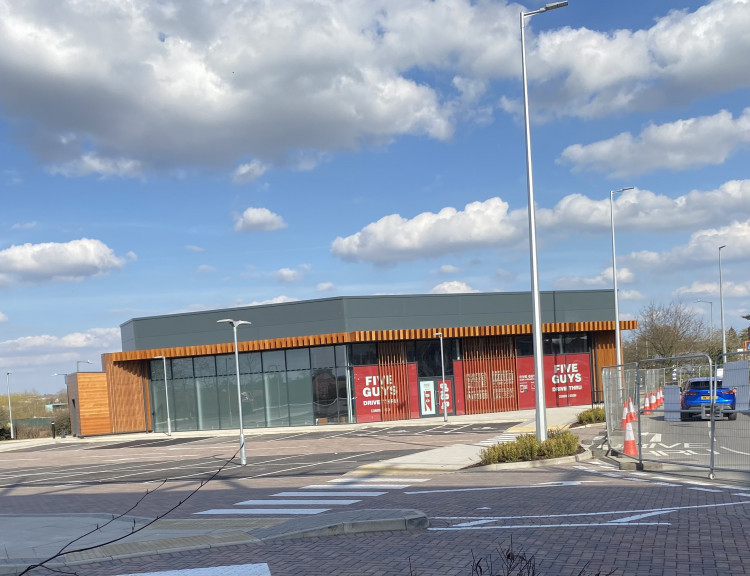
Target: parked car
x,y
697,393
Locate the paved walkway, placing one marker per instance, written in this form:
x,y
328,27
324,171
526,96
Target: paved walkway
x,y
29,539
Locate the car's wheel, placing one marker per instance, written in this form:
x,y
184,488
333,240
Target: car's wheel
x,y
732,416
684,416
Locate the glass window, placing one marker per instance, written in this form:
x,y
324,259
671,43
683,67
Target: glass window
x,y
182,368
204,366
207,403
322,357
184,407
277,402
273,361
325,397
300,397
525,345
298,359
428,358
365,354
225,365
577,343
250,363
159,406
253,401
341,355
157,369
226,390
552,344
411,351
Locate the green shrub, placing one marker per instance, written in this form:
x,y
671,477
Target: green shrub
x,y
591,416
527,448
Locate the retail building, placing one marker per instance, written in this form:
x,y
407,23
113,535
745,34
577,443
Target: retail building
x,y
348,359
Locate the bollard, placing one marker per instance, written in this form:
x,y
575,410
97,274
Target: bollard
x,y
53,430
62,433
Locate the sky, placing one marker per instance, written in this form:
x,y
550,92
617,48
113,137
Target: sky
x,y
159,157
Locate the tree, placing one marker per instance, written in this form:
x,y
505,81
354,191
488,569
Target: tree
x,y
667,330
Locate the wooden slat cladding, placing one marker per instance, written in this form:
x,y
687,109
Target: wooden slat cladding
x,y
93,405
127,404
604,354
368,336
489,367
394,381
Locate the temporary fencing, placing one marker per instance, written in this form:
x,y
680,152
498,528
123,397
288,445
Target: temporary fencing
x,y
645,399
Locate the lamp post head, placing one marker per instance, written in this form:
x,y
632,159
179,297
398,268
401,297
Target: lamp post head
x,y
8,373
234,323
439,334
555,5
159,358
720,247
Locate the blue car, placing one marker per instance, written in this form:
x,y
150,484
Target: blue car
x,y
697,393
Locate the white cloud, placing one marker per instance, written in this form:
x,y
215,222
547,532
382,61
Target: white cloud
x,y
195,248
603,280
729,289
70,261
249,172
682,57
679,145
275,300
23,226
452,287
325,287
205,269
287,275
93,164
449,269
643,210
258,220
701,249
396,239
631,295
3,317
60,353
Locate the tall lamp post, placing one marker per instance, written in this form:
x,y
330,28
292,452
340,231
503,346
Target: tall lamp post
x,y
79,362
541,411
234,324
618,345
443,386
721,305
166,392
10,408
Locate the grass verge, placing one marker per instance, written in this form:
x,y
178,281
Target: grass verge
x,y
527,447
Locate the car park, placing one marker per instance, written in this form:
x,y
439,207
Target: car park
x,y
696,399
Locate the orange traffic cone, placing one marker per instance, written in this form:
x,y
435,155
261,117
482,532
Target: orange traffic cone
x,y
646,405
625,415
658,397
630,448
632,417
654,405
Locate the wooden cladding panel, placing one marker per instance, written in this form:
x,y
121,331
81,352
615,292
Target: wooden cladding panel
x,y
368,336
93,403
394,394
126,383
489,366
604,354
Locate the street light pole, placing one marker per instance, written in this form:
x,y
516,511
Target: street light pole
x,y
234,324
166,392
79,362
10,408
618,345
721,305
443,386
541,411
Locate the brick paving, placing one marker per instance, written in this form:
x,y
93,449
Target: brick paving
x,y
546,506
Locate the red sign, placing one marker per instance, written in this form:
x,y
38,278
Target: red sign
x,y
567,381
444,393
367,391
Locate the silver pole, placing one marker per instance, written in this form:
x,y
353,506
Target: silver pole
x,y
235,323
618,344
541,409
721,304
10,408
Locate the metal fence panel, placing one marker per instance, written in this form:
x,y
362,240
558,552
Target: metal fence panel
x,y
732,435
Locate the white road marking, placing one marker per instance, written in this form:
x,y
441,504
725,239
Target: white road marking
x,y
356,480
353,494
266,511
544,485
296,502
375,486
234,570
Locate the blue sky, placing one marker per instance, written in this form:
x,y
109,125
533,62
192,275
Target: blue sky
x,y
159,157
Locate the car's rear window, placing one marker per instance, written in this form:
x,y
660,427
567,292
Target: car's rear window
x,y
702,384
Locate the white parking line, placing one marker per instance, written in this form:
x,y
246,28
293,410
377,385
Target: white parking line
x,y
351,494
266,511
233,570
296,502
